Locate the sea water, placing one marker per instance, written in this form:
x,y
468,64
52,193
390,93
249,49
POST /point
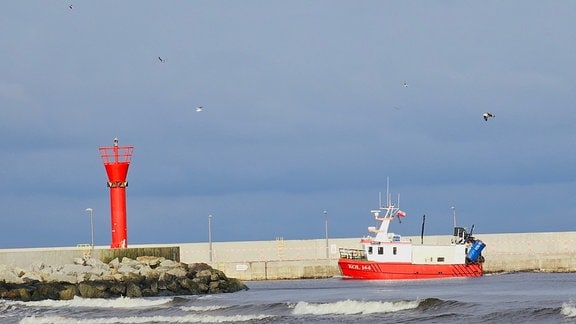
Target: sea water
x,y
497,298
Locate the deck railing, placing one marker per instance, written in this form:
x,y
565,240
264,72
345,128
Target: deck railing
x,y
354,254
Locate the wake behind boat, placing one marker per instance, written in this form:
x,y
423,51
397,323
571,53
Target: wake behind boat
x,y
390,256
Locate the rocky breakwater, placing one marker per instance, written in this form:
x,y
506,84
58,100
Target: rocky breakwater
x,y
91,278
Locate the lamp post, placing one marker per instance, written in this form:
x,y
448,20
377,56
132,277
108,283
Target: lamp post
x,y
90,210
210,235
326,229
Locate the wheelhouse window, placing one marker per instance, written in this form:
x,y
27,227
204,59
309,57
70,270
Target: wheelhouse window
x,y
380,250
369,250
394,250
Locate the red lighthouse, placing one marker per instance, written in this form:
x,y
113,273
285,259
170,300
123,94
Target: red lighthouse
x,y
116,161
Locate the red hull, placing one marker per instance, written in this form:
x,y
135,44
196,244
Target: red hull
x,y
362,269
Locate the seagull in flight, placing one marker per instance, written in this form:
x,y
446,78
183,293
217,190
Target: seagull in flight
x,y
70,6
487,115
199,109
405,85
161,59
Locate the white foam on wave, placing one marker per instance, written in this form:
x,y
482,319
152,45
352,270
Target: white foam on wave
x,y
352,307
201,308
209,297
144,319
569,309
120,302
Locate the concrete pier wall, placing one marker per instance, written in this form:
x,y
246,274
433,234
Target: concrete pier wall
x,y
66,255
291,259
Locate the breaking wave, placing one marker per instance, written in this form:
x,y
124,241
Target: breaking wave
x,y
568,309
353,307
202,308
120,302
144,319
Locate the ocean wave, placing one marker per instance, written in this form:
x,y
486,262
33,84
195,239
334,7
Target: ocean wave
x,y
120,302
5,306
209,296
520,315
435,303
201,308
568,309
144,319
353,307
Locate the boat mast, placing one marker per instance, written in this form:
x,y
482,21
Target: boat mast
x,y
422,231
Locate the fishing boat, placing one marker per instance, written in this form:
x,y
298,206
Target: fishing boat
x,y
390,256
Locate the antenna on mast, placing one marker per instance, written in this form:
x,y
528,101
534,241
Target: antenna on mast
x,y
388,198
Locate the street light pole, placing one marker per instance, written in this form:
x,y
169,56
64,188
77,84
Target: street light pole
x,y
90,210
210,235
326,228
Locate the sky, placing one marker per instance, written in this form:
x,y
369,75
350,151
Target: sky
x,y
305,111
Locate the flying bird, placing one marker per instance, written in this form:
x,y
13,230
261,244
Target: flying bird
x,y
487,115
70,6
199,109
405,85
161,59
